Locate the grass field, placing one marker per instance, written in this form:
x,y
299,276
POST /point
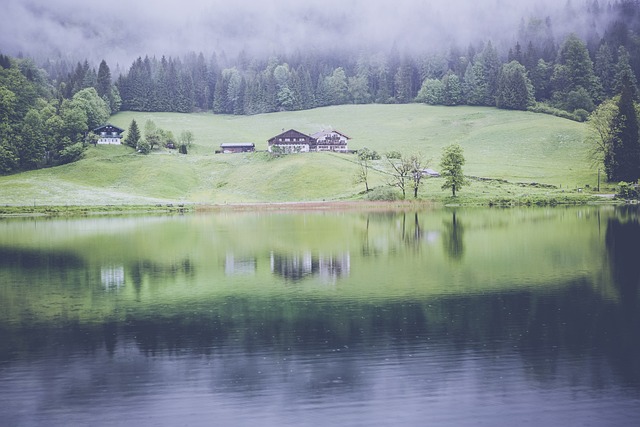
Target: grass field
x,y
519,147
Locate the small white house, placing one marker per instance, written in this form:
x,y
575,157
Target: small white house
x,y
109,134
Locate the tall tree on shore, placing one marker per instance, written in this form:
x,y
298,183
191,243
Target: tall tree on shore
x,y
622,160
451,168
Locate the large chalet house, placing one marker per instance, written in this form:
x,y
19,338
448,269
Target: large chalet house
x,y
109,134
331,140
293,141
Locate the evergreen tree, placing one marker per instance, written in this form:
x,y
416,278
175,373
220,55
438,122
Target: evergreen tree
x,y
540,79
475,87
515,91
491,71
604,69
574,70
218,96
337,87
404,83
623,70
103,86
451,90
431,92
622,160
133,135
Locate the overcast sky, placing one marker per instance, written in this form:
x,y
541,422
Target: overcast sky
x,y
121,30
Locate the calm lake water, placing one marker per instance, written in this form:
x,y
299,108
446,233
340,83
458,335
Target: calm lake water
x,y
445,318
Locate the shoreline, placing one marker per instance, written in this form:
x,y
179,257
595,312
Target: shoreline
x,y
8,211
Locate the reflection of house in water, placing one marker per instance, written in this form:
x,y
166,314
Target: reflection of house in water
x,y
332,267
112,277
238,266
298,266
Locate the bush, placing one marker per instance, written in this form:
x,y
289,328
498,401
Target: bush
x,y
143,147
366,154
393,155
581,114
382,194
627,191
71,153
547,109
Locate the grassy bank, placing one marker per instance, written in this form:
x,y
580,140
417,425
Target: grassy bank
x,y
528,157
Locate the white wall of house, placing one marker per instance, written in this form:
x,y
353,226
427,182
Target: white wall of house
x,y
291,148
110,140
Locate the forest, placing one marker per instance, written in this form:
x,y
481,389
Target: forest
x,y
566,65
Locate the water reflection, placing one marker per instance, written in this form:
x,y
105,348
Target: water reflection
x,y
453,239
542,328
112,277
296,267
235,265
623,247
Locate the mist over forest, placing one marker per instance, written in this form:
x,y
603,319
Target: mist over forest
x,y
119,31
245,57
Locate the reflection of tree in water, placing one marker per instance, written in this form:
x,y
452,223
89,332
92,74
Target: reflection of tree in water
x,y
139,270
623,249
453,240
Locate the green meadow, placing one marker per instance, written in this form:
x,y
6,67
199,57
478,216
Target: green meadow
x,y
514,149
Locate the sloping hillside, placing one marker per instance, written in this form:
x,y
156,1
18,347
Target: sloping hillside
x,y
509,145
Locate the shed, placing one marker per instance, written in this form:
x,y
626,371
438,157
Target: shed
x,y
237,147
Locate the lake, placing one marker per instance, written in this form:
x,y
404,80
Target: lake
x,y
447,317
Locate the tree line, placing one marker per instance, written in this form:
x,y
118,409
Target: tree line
x,y
38,126
568,75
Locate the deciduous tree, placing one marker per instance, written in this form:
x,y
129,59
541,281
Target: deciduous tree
x,y
451,168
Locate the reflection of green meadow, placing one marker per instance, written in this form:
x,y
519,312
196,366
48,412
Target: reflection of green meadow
x,y
520,147
92,269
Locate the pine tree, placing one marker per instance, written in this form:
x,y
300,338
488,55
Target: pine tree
x,y
491,71
133,135
622,160
103,86
451,90
622,70
515,91
604,69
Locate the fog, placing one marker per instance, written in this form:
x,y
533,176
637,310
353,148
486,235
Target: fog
x,y
121,30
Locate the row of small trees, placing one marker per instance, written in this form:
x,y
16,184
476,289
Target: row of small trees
x,y
155,136
406,172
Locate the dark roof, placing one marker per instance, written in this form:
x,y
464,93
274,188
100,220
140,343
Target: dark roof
x,y
108,128
237,144
291,133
